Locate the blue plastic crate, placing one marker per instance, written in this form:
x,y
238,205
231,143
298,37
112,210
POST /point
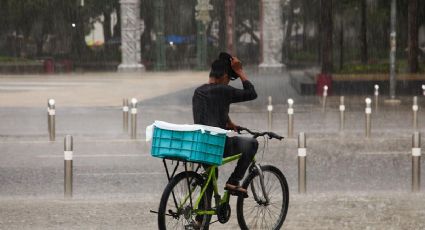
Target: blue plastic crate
x,y
193,146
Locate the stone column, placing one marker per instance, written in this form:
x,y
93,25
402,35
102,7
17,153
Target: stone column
x,y
271,36
202,17
130,37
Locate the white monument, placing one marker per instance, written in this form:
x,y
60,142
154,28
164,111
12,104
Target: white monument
x,y
272,37
130,37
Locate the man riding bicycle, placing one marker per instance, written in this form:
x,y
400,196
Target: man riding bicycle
x,y
192,198
210,105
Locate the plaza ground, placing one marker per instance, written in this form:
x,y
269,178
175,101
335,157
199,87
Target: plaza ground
x,y
353,182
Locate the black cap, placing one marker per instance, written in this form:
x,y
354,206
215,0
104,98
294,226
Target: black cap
x,y
227,58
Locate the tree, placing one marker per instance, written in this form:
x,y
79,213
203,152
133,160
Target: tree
x,y
247,16
413,36
147,14
326,28
343,13
219,14
363,32
288,13
22,15
378,24
5,18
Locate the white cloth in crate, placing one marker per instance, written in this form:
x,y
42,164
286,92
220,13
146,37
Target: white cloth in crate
x,y
178,127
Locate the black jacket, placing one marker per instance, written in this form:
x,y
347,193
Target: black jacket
x,y
210,102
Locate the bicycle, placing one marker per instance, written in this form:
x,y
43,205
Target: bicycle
x,y
186,200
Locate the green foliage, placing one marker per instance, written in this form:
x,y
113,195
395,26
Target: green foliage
x,y
247,10
364,69
304,56
101,55
5,59
375,68
94,8
34,20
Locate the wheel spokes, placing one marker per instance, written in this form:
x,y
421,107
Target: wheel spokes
x,y
261,215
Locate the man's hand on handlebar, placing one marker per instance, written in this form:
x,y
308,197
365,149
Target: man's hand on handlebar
x,y
270,135
239,129
231,126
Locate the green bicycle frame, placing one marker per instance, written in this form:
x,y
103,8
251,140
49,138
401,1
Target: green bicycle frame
x,y
212,177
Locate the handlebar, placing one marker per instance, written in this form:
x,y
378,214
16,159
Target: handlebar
x,y
270,135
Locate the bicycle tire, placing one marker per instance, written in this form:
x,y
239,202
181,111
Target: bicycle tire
x,y
257,208
184,218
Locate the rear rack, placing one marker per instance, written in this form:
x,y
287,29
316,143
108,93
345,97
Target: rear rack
x,y
167,170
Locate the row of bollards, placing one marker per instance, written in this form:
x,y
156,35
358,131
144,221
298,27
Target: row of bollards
x,y
368,114
51,118
302,146
376,94
302,167
368,109
302,164
290,116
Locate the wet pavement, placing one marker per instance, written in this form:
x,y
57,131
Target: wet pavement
x,y
313,211
353,182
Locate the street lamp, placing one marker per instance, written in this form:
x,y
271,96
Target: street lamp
x,y
393,46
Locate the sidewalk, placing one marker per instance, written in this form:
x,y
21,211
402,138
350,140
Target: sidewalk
x,y
92,89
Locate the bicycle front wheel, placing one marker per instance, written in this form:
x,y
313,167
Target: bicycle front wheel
x,y
176,209
255,212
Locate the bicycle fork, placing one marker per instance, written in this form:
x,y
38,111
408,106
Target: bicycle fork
x,y
263,187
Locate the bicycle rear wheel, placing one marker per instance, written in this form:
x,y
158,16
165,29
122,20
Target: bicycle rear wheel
x,y
255,212
176,211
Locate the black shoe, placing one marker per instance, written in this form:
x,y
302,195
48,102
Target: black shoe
x,y
236,190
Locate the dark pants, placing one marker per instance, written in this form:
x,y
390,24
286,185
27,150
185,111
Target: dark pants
x,y
235,145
